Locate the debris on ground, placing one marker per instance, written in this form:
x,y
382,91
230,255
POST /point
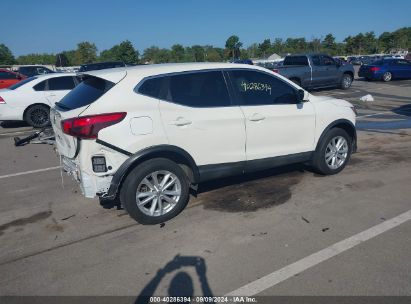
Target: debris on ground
x,y
66,218
305,220
325,229
162,225
367,97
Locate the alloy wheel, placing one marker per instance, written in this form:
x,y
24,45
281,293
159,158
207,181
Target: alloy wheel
x,y
336,152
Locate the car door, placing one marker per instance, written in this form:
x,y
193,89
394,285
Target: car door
x,y
403,68
330,70
198,117
276,124
58,87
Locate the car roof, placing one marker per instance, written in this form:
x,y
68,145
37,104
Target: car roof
x,y
116,74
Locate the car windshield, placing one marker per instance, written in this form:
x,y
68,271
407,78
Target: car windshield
x,y
20,83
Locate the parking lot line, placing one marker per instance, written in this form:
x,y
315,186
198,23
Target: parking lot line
x,y
314,259
29,172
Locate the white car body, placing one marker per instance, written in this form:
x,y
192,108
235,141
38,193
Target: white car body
x,y
16,101
212,137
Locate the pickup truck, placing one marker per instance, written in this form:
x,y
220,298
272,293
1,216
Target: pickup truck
x,y
312,71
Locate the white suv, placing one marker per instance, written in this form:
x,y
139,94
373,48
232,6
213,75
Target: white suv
x,y
144,135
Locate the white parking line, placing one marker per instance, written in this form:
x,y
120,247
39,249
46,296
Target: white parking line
x,y
29,172
16,133
289,271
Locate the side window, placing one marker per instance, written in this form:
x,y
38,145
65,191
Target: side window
x,y
316,60
257,88
151,87
41,86
199,89
61,83
328,60
5,75
403,62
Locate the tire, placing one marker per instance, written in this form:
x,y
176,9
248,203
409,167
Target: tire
x,y
346,81
387,76
320,164
141,180
37,116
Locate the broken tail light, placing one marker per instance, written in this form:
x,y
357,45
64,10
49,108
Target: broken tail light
x,y
87,127
2,101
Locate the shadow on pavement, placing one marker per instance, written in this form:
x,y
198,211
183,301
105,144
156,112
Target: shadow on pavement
x,y
13,124
181,284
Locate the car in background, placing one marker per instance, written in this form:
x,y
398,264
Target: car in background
x,y
386,70
33,70
408,56
313,71
8,78
101,66
30,99
244,61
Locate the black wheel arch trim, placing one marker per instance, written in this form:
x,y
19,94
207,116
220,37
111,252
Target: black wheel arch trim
x,y
166,151
336,123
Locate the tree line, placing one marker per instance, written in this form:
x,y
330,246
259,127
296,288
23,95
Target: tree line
x,y
86,52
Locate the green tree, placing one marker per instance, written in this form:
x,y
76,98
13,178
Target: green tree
x,y
265,48
233,46
177,53
37,59
6,56
86,53
329,44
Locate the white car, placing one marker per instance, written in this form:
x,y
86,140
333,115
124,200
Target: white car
x,y
146,134
30,99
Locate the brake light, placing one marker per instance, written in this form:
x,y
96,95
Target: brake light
x,y
87,127
2,101
374,69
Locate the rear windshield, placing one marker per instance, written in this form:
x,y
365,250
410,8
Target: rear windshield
x,y
88,91
295,60
20,83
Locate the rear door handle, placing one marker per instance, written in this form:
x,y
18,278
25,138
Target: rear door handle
x,y
180,121
256,117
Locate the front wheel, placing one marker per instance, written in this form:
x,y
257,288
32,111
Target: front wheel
x,y
387,76
155,191
333,152
346,81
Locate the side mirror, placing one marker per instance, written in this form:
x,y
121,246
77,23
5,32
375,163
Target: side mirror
x,y
301,96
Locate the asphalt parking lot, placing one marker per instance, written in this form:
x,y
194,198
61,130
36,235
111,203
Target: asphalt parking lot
x,y
282,232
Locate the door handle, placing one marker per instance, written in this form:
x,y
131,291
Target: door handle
x,y
180,121
256,117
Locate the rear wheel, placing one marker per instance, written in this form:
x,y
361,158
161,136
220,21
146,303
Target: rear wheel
x,y
346,81
333,152
155,191
37,116
387,76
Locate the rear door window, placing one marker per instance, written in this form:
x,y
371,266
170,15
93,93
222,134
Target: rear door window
x,y
61,83
198,89
295,60
41,86
88,91
151,87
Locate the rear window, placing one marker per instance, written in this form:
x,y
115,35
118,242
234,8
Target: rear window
x,y
20,83
295,60
88,91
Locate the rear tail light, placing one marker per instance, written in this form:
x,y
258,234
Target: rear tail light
x,y
2,101
374,69
87,127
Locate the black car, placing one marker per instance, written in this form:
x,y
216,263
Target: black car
x,y
101,66
33,70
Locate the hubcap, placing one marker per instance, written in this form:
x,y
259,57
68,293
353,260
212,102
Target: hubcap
x,y
347,81
336,152
387,76
39,116
158,193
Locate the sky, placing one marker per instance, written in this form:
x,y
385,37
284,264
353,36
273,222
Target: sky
x,y
52,26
